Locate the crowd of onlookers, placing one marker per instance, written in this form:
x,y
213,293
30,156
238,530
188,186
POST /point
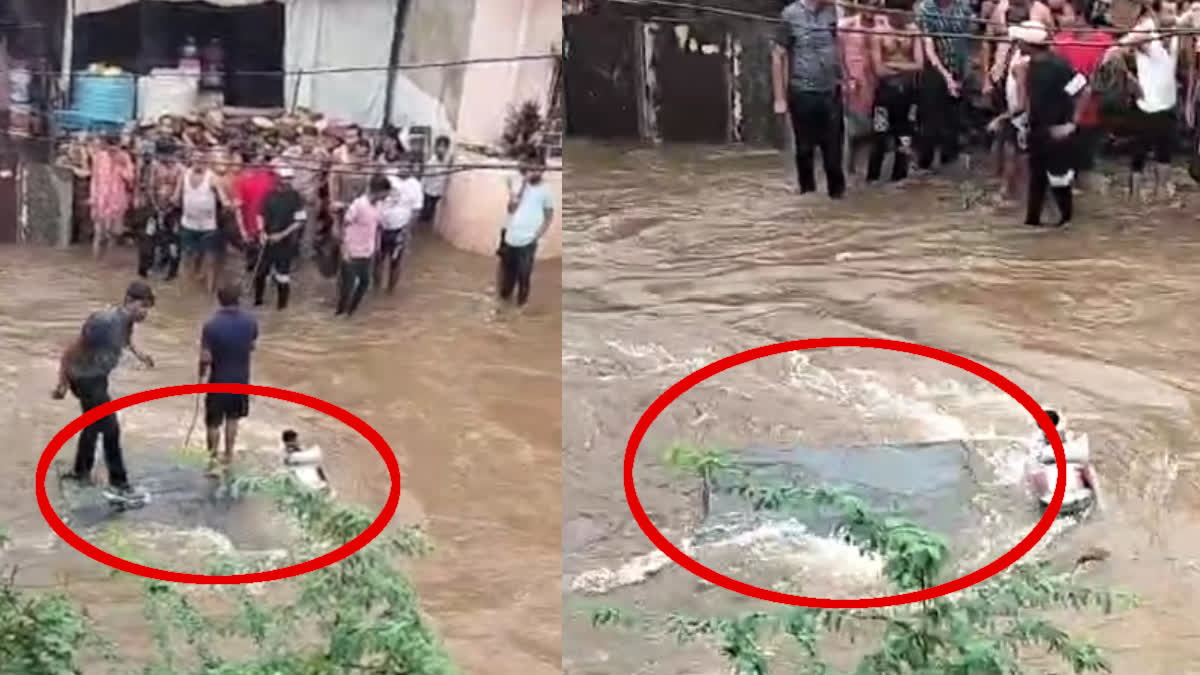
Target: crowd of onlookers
x,y
211,196
923,82
187,193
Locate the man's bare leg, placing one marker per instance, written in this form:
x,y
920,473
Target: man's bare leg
x,y
231,430
213,437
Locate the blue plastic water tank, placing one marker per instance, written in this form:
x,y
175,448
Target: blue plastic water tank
x,y
105,97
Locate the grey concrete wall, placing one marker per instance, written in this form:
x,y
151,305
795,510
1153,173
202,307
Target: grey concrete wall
x,y
46,197
438,30
758,124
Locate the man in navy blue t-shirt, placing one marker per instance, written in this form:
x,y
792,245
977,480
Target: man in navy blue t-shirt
x,y
225,346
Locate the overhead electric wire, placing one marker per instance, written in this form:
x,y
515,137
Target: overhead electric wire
x,y
368,168
336,70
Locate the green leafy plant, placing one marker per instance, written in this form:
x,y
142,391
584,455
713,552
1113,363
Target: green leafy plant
x,y
703,463
523,130
363,611
39,633
982,630
359,615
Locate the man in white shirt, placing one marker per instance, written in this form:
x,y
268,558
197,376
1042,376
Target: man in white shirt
x,y
530,212
400,210
436,174
305,465
1156,57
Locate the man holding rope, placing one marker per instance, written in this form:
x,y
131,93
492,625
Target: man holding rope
x,y
282,218
226,343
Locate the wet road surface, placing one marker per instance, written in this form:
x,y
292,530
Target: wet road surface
x,y
467,399
680,256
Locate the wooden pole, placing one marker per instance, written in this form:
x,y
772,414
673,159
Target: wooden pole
x,y
394,59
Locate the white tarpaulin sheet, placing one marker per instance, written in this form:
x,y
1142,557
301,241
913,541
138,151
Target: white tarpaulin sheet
x,y
352,34
335,34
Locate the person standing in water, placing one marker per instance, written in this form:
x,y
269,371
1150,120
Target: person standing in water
x,y
281,222
84,370
1055,91
112,178
896,59
531,211
360,238
945,27
855,31
435,176
399,214
226,343
201,196
806,80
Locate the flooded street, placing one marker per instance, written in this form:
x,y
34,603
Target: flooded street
x,y
678,256
468,400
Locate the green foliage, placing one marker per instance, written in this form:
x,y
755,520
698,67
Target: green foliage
x,y
523,130
190,457
702,462
359,615
982,630
41,634
365,612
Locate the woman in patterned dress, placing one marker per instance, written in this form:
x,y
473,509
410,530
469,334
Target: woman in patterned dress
x,y
111,182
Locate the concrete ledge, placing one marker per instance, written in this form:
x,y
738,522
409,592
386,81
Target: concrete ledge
x,y
475,206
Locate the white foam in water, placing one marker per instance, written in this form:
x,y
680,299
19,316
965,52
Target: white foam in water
x,y
787,542
867,392
662,359
635,571
792,544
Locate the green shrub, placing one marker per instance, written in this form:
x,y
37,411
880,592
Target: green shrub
x,y
361,615
982,630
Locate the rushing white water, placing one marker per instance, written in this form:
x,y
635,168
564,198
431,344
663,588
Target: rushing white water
x,y
935,411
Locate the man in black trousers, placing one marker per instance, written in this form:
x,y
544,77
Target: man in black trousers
x,y
806,76
84,370
1055,90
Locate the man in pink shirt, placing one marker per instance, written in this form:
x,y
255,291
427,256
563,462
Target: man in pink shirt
x,y
360,238
250,190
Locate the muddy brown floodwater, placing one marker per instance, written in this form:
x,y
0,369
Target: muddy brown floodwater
x,y
679,256
468,400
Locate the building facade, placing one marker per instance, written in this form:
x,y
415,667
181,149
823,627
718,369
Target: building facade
x,y
664,73
477,98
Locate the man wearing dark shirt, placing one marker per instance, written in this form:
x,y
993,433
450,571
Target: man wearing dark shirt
x,y
283,216
225,345
84,370
806,76
1055,90
945,25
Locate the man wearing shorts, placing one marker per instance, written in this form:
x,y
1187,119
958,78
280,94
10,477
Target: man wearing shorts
x,y
226,343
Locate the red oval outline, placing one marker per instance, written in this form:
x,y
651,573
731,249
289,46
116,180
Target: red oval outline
x,y
340,553
710,575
